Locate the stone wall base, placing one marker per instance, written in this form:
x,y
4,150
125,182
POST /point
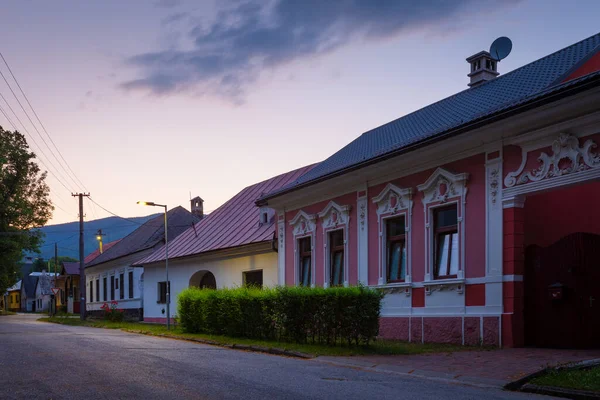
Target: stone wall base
x,y
467,330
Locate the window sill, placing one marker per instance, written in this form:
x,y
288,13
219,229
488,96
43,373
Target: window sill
x,y
449,284
445,281
392,285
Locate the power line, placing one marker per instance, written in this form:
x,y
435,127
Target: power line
x,y
135,222
38,119
33,139
35,127
61,240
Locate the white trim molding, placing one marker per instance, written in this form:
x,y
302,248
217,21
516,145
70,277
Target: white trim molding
x,y
494,215
304,225
362,235
393,202
334,217
281,249
568,157
440,189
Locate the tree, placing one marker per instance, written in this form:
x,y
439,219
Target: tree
x,y
39,264
24,204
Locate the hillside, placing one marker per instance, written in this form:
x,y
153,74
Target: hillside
x,y
67,235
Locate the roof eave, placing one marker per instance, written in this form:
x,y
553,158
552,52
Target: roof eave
x,y
478,123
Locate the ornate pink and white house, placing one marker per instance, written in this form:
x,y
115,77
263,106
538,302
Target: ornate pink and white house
x,y
479,215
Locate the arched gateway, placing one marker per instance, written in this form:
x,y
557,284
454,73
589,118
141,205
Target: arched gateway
x,y
203,280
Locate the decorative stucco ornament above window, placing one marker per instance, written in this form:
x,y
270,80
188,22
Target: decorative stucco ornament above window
x,y
334,215
567,158
303,223
393,199
443,185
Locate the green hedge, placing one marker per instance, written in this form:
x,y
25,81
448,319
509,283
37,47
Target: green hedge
x,y
298,314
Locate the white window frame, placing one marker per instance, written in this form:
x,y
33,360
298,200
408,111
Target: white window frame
x,y
304,225
394,202
334,218
441,189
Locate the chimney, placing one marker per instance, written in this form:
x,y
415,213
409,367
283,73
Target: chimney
x,y
483,68
197,207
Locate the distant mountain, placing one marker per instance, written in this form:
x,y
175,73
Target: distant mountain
x,y
67,235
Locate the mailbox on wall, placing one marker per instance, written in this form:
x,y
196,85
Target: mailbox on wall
x,y
556,291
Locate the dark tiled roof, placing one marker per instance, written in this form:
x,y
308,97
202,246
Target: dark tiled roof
x,y
235,223
70,268
506,91
149,235
28,285
90,257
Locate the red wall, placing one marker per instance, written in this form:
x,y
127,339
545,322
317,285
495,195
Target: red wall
x,y
553,215
351,236
474,220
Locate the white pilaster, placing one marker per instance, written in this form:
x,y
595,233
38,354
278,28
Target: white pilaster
x,y
362,216
281,249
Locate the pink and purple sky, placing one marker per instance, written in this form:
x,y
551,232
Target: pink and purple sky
x,y
152,100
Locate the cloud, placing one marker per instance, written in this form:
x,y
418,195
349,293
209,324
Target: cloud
x,y
227,55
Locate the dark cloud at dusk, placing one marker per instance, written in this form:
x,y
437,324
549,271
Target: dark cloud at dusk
x,y
247,37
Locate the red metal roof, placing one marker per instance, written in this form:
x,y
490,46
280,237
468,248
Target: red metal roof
x,y
235,223
96,253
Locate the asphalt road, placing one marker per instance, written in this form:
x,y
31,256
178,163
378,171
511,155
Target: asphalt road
x,y
47,361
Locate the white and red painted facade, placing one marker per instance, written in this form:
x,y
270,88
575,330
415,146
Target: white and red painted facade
x,y
530,178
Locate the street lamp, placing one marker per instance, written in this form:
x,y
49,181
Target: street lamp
x,y
152,204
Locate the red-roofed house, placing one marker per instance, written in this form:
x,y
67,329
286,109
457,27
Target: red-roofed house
x,y
234,245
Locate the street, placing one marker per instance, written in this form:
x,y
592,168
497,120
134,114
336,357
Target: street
x,y
47,361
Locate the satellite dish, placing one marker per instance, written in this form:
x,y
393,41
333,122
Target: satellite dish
x,y
501,48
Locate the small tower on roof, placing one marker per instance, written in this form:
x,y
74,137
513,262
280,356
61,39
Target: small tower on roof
x,y
197,207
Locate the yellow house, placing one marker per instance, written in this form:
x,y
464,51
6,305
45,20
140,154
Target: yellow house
x,y
13,299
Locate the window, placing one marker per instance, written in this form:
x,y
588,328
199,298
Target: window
x,y
253,278
122,287
162,292
97,289
446,242
305,254
104,289
116,283
91,291
130,277
336,258
112,287
395,249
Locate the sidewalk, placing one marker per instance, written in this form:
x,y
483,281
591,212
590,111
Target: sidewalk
x,y
483,368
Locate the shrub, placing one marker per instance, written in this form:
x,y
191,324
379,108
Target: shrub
x,y
298,314
112,313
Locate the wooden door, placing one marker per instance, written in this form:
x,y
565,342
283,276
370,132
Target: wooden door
x,y
561,288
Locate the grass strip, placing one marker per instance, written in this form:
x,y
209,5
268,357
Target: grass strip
x,y
378,347
580,379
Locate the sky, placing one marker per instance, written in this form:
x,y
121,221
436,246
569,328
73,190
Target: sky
x,y
156,100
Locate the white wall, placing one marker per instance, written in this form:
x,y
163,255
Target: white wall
x,y
228,272
115,268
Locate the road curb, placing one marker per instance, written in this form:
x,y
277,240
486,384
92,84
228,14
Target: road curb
x,y
258,349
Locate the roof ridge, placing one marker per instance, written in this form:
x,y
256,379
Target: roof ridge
x,y
486,83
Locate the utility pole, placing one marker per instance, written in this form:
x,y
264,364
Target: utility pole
x,y
82,285
55,265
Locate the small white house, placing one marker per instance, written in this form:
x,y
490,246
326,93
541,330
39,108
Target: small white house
x,y
112,275
43,290
234,245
